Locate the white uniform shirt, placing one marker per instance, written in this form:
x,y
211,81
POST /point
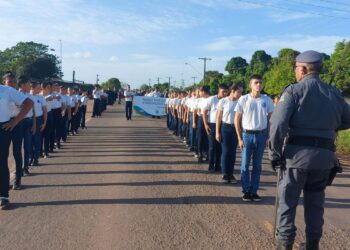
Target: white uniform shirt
x,y
9,95
31,97
228,110
56,104
254,111
39,103
96,94
202,104
48,103
73,101
84,100
212,107
128,96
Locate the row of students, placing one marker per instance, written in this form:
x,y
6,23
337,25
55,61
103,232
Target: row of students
x,y
35,118
101,100
213,127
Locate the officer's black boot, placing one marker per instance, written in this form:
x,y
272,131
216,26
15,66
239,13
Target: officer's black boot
x,y
281,246
310,245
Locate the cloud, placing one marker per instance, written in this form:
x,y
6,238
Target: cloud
x,y
113,58
242,44
79,55
232,4
280,17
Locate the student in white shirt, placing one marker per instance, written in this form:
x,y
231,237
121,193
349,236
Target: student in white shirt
x,y
74,111
209,116
67,116
202,137
9,95
226,133
97,101
29,126
129,96
83,107
253,112
41,118
47,94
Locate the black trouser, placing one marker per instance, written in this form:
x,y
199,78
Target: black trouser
x,y
202,138
56,113
77,119
57,123
73,121
5,139
64,125
97,108
128,109
214,147
83,114
17,136
46,133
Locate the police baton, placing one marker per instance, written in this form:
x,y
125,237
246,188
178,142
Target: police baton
x,y
346,49
276,203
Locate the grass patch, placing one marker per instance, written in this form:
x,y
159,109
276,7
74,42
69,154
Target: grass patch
x,y
343,142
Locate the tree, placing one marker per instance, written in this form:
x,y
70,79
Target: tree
x,y
31,60
281,73
237,69
260,63
342,78
144,87
112,84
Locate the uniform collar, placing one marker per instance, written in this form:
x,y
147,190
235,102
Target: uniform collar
x,y
310,76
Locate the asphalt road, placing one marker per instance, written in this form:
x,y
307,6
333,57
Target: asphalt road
x,y
132,185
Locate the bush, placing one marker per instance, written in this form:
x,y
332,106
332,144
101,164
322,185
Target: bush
x,y
343,142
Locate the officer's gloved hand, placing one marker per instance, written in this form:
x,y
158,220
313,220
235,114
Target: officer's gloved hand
x,y
278,164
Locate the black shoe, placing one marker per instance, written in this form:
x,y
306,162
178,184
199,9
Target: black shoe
x,y
310,245
191,149
281,246
31,162
217,168
26,171
211,169
46,156
35,163
233,179
51,151
41,156
4,204
226,179
256,197
247,197
200,159
17,185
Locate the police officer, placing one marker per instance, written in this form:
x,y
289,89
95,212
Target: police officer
x,y
97,101
302,144
83,108
7,124
129,96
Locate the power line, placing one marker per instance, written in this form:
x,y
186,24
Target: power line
x,y
335,2
318,6
291,10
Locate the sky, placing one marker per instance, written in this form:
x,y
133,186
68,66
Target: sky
x,y
139,41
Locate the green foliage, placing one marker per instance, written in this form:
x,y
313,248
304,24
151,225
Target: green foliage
x,y
112,84
343,142
144,87
237,68
281,72
342,78
162,87
31,60
260,63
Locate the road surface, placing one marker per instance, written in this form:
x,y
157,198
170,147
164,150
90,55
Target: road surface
x,y
132,185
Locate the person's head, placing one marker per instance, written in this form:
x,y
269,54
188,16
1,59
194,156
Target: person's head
x,y
35,87
128,87
236,90
9,79
70,91
23,84
63,90
308,62
256,83
47,88
222,92
205,91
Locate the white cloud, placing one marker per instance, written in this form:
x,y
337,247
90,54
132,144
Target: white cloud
x,y
232,4
79,55
113,58
298,42
280,17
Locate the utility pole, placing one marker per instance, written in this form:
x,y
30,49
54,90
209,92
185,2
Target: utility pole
x,y
97,80
205,59
61,59
194,79
158,78
149,82
73,76
169,77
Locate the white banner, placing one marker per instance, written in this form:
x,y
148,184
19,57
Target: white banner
x,y
149,106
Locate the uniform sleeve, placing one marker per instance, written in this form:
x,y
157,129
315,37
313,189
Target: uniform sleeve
x,y
17,97
43,101
270,106
279,124
239,106
207,103
221,105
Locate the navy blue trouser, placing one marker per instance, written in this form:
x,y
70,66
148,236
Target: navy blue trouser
x,y
194,134
46,133
202,137
5,139
55,117
214,151
229,144
17,140
37,139
96,107
28,141
128,109
83,115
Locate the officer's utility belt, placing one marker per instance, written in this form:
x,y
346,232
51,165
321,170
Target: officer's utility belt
x,y
254,132
316,142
